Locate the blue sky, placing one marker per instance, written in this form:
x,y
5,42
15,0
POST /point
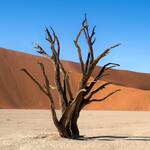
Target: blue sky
x,y
117,21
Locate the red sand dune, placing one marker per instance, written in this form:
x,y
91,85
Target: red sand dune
x,y
18,91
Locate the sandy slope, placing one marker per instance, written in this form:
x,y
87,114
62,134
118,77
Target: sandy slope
x,y
103,130
18,91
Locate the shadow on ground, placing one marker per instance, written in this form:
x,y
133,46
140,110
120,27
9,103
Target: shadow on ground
x,y
114,138
103,138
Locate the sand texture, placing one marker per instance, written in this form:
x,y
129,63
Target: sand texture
x,y
102,130
18,91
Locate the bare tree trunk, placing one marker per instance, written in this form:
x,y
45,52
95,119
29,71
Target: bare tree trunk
x,y
71,105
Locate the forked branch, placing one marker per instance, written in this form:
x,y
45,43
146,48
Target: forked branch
x,y
88,38
98,89
102,99
79,49
47,92
58,64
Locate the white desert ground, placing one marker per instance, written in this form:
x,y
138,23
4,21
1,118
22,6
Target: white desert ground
x,y
102,130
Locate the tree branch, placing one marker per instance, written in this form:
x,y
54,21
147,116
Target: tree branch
x,y
104,68
45,76
79,49
34,80
92,66
98,89
100,75
57,60
88,38
39,49
102,99
58,66
57,42
93,32
52,105
87,62
68,86
105,52
51,102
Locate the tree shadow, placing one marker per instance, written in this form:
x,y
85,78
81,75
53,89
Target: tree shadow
x,y
116,138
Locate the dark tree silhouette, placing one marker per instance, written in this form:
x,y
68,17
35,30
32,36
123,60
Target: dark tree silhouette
x,y
71,104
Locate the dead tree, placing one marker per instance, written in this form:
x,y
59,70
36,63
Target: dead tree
x,y
72,104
